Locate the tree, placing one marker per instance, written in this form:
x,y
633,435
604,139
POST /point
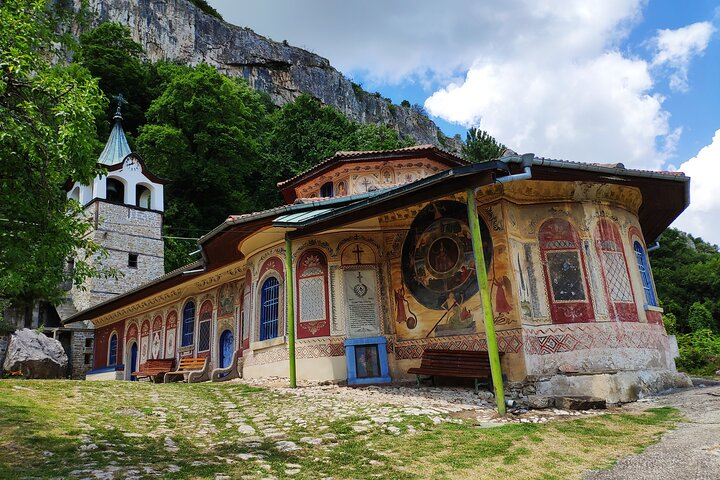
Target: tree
x,y
686,270
700,317
205,134
480,146
46,139
111,55
306,132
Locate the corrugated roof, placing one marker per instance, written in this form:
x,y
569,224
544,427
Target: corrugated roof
x,y
116,148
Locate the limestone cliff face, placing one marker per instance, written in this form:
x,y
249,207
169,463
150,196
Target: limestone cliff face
x,y
177,30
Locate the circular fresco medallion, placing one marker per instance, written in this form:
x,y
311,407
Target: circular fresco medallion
x,y
437,255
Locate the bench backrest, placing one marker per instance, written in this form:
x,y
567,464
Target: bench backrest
x,y
461,359
189,363
158,363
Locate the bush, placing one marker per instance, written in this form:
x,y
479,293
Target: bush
x,y
699,317
699,352
670,322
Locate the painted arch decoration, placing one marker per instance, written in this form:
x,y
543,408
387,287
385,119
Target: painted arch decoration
x,y
313,306
564,264
171,333
156,345
616,277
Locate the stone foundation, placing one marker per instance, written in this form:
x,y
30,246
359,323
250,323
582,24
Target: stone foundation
x,y
614,387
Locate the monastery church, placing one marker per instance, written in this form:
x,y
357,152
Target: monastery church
x,y
370,261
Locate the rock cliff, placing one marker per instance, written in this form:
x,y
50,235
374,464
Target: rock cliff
x,y
179,31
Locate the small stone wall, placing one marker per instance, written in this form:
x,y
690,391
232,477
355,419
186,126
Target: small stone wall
x,y
81,353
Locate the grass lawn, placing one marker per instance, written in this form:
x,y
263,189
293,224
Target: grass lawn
x,y
73,429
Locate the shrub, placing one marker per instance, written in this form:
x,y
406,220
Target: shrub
x,y
699,352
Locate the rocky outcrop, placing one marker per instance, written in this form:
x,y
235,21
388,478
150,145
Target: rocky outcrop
x,y
35,355
177,30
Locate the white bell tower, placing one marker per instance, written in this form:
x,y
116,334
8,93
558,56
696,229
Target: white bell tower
x,y
126,208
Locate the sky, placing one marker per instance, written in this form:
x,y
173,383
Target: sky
x,y
605,81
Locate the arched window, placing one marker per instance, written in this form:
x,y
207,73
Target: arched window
x,y
115,191
326,190
188,324
644,269
616,277
313,318
142,196
204,326
563,260
112,350
269,308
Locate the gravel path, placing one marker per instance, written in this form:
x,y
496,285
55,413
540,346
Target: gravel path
x,y
692,451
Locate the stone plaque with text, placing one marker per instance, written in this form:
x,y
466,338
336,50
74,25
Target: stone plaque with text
x,y
361,308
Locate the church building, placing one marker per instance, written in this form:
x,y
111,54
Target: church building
x,y
380,267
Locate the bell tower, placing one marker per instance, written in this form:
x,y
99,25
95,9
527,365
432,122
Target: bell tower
x,y
126,209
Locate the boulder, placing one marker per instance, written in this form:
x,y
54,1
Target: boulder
x,y
35,355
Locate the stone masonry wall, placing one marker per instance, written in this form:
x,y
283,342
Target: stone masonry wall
x,y
82,354
122,230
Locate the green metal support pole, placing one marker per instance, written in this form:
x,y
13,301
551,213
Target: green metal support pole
x,y
482,280
290,296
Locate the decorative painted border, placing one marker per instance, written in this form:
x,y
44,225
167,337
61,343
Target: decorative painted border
x,y
509,341
559,338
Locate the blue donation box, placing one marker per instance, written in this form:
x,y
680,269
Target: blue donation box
x,y
367,361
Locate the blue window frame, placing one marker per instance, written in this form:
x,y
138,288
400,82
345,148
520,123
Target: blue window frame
x,y
645,274
188,324
269,304
112,348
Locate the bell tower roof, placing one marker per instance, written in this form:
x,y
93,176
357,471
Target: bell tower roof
x,y
116,148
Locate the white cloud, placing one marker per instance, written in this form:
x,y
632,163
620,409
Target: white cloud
x,y
675,49
426,39
597,110
549,76
701,217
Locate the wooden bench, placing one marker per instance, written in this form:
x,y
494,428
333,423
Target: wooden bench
x,y
454,363
155,369
196,370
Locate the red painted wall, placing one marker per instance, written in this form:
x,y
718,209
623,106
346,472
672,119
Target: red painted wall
x,y
102,340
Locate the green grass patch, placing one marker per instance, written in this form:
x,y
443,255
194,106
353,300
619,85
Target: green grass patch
x,y
69,429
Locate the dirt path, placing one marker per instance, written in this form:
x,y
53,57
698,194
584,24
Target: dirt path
x,y
692,451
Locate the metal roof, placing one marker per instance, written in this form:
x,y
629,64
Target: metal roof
x,y
116,148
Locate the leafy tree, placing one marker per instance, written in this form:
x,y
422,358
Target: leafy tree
x,y
699,352
371,136
205,135
46,138
670,322
305,132
480,146
699,317
686,270
110,53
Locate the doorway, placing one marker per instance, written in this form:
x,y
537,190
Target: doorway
x,y
226,348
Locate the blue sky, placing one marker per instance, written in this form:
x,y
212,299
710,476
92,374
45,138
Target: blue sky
x,y
606,81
